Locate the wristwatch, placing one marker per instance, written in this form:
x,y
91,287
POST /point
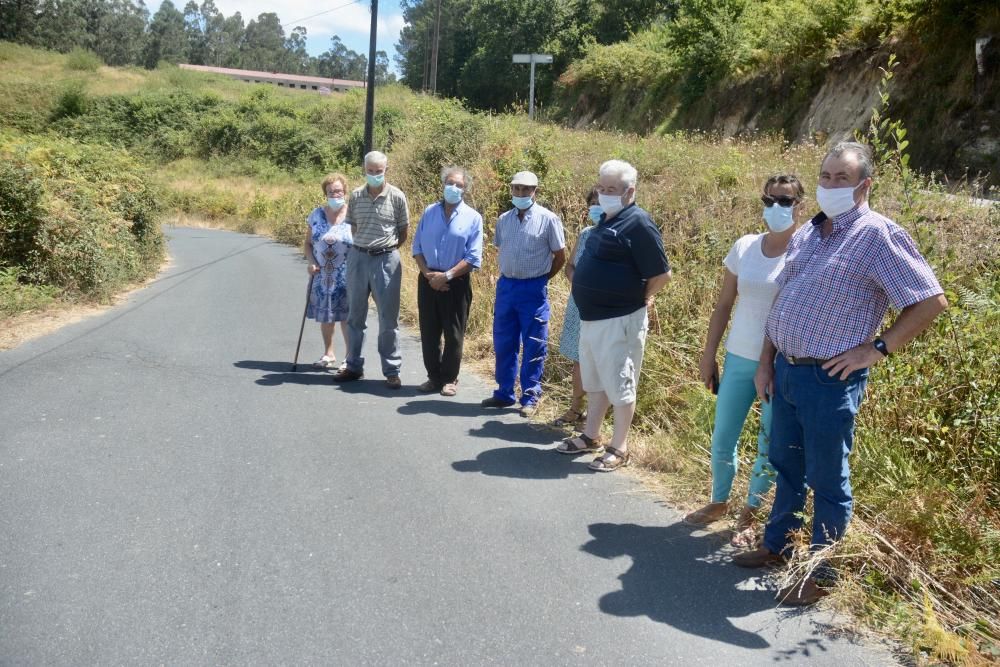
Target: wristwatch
x,y
880,345
447,275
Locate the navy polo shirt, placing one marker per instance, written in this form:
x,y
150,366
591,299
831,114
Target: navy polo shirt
x,y
620,255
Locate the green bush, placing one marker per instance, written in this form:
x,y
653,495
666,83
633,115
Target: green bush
x,y
18,297
79,218
82,60
71,102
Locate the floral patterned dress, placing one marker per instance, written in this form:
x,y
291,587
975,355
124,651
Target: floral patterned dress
x,y
569,340
328,297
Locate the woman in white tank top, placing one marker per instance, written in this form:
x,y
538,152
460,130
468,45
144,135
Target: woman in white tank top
x,y
752,267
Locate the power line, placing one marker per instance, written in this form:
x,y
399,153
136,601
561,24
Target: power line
x,y
306,18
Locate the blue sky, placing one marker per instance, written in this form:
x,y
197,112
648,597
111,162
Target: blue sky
x,y
350,22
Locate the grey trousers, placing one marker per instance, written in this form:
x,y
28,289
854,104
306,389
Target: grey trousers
x,y
379,277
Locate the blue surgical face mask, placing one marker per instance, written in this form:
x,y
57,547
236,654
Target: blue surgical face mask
x,y
375,180
595,213
521,202
779,218
336,203
453,194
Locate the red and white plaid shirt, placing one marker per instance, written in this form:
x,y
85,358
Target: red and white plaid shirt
x,y
835,291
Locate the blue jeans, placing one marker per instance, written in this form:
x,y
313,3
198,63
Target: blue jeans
x,y
812,433
736,395
520,320
378,277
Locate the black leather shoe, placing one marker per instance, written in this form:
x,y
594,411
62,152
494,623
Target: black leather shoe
x,y
494,402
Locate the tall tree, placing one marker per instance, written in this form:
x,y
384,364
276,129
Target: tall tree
x,y
382,73
297,59
263,43
229,42
60,25
17,20
121,33
340,62
194,33
166,40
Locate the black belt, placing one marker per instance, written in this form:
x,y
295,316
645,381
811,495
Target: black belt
x,y
804,361
375,252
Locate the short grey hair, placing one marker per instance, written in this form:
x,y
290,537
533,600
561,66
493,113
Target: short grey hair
x,y
861,152
455,169
623,171
375,159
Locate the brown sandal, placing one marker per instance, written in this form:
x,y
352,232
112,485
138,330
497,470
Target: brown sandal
x,y
601,464
570,418
569,445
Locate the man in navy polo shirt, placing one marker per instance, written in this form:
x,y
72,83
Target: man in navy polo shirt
x,y
622,267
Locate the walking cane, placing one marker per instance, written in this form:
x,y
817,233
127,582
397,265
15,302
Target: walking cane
x,y
295,364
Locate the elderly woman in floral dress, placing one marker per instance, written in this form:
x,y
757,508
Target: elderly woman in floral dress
x,y
327,241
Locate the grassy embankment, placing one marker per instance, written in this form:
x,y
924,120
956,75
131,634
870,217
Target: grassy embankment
x,y
922,561
761,63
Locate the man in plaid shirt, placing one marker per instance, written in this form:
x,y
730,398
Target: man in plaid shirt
x,y
842,272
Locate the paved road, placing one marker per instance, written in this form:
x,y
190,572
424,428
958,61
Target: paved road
x,y
171,494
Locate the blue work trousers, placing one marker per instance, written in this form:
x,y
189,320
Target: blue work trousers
x,y
812,433
520,325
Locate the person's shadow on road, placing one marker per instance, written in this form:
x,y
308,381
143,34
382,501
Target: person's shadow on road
x,y
678,579
441,408
519,462
280,372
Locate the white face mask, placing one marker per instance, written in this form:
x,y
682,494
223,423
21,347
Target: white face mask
x,y
610,204
835,201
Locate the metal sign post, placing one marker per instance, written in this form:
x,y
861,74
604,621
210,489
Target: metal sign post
x,y
532,59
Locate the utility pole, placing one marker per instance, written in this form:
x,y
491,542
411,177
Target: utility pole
x,y
370,99
434,52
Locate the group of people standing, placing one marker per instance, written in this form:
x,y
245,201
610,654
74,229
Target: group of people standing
x,y
809,300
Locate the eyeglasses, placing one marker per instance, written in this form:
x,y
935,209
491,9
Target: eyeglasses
x,y
780,201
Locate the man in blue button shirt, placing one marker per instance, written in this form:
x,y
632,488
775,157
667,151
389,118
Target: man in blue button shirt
x,y
447,247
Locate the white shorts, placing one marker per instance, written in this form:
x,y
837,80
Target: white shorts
x,y
611,355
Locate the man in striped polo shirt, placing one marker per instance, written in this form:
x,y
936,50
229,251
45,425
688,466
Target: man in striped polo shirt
x,y
379,220
532,249
842,271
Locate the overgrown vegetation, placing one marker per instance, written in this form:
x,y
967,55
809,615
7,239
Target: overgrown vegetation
x,y
740,65
77,218
922,560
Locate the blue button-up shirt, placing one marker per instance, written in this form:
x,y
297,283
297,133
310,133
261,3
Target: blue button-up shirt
x,y
526,246
443,243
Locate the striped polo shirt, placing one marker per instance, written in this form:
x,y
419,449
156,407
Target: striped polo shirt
x,y
376,223
526,246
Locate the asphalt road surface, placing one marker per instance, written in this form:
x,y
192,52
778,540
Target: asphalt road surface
x,y
170,493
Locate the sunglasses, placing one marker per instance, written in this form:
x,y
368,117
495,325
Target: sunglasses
x,y
780,201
